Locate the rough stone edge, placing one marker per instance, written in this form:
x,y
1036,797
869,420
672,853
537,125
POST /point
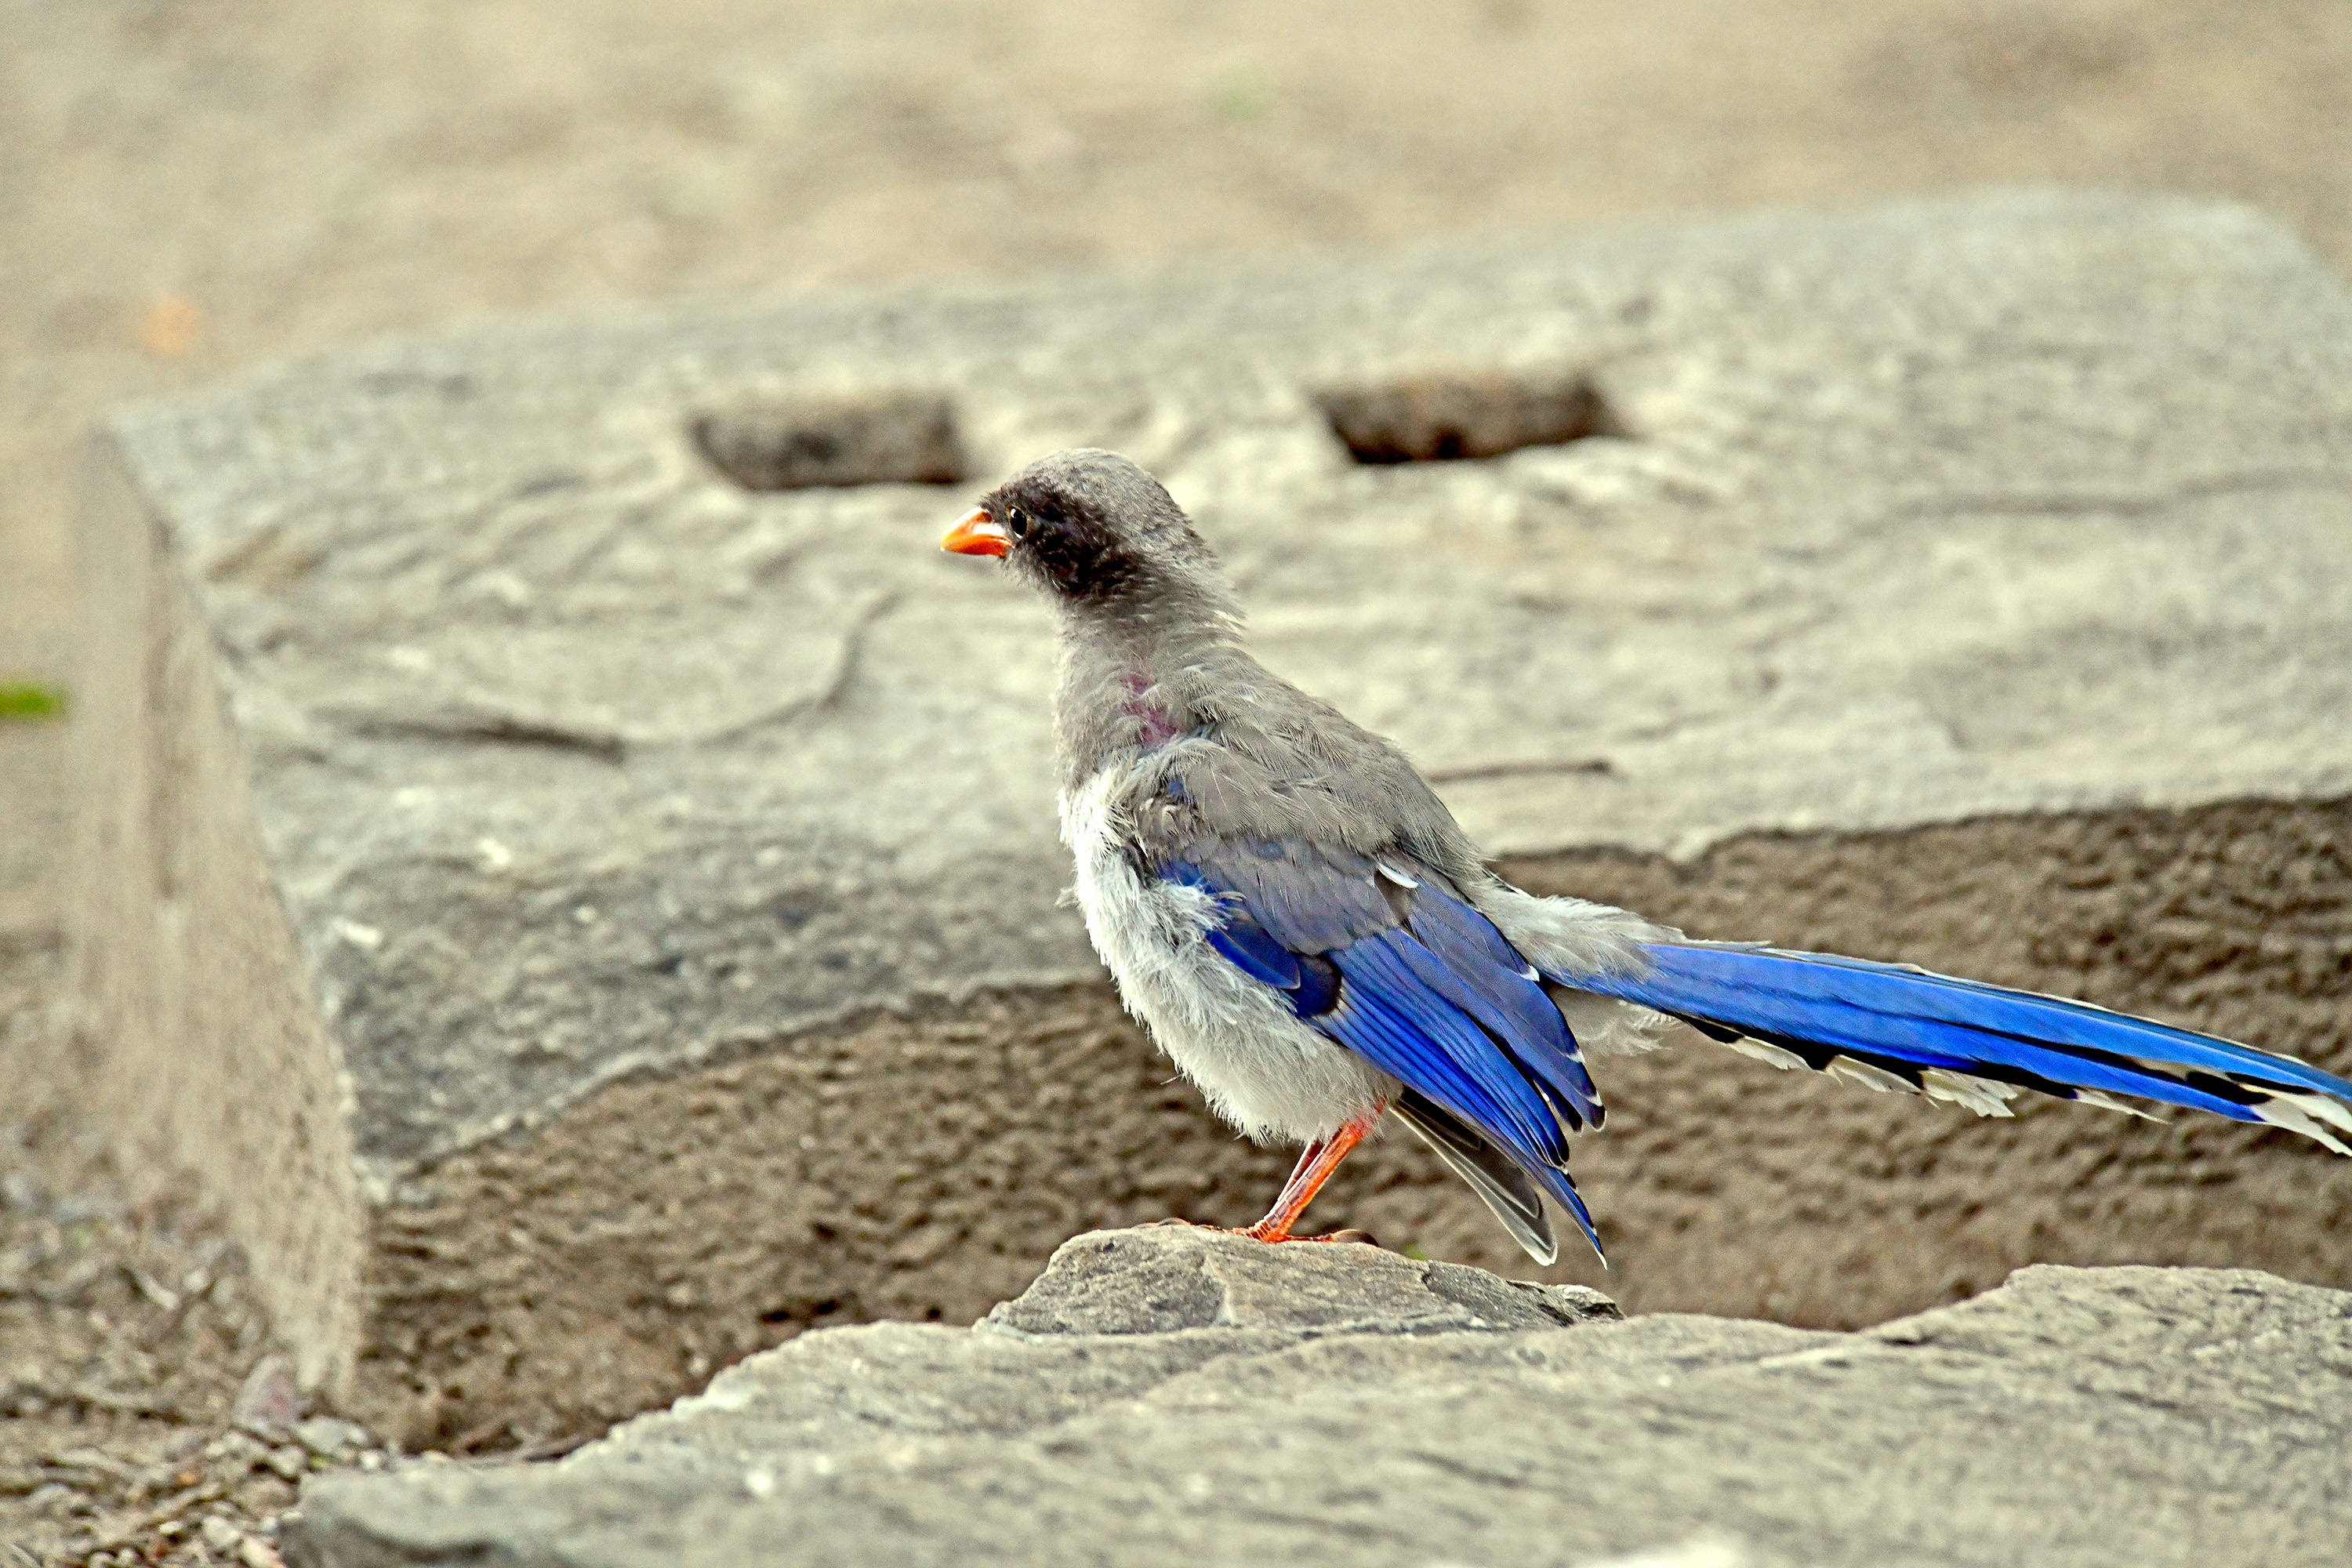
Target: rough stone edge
x,y
1197,1248
174,930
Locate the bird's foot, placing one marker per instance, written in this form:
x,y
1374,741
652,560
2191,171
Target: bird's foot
x,y
1316,1163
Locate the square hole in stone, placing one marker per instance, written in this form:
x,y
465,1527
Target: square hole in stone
x,y
893,438
1445,418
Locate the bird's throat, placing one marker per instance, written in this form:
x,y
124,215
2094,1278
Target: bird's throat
x,y
1155,728
1129,687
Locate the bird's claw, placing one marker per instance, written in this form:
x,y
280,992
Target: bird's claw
x,y
1361,1237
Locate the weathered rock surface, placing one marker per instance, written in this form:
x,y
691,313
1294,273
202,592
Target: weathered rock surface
x,y
1201,1398
1162,1279
586,913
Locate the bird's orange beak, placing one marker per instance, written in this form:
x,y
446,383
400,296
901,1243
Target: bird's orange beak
x,y
976,533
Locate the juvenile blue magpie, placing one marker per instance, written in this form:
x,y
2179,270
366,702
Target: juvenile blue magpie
x,y
1309,935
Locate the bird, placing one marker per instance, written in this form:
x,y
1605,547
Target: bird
x,y
1294,916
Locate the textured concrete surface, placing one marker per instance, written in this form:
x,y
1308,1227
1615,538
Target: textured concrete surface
x,y
1168,1395
2028,504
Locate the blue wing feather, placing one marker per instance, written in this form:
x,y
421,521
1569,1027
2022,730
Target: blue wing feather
x,y
1367,1025
1514,1010
1377,966
1257,955
1555,1181
1446,1006
1242,941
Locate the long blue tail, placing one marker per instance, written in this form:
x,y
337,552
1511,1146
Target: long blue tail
x,y
1899,1027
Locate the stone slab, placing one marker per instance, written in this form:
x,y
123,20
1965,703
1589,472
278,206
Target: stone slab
x,y
1202,1398
508,805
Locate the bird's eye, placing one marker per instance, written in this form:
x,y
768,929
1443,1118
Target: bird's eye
x,y
1016,523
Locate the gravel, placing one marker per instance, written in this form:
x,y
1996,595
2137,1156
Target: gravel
x,y
126,1338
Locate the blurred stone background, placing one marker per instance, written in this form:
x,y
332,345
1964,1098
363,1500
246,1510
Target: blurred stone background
x,y
192,183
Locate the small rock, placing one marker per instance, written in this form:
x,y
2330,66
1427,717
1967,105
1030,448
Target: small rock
x,y
1703,1553
75,1207
268,1402
328,1435
21,1190
221,1536
24,1395
96,1462
290,1462
1156,1281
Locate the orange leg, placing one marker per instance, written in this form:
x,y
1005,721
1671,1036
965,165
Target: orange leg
x,y
1316,1165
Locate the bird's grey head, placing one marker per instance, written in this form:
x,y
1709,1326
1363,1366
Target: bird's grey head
x,y
1100,536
